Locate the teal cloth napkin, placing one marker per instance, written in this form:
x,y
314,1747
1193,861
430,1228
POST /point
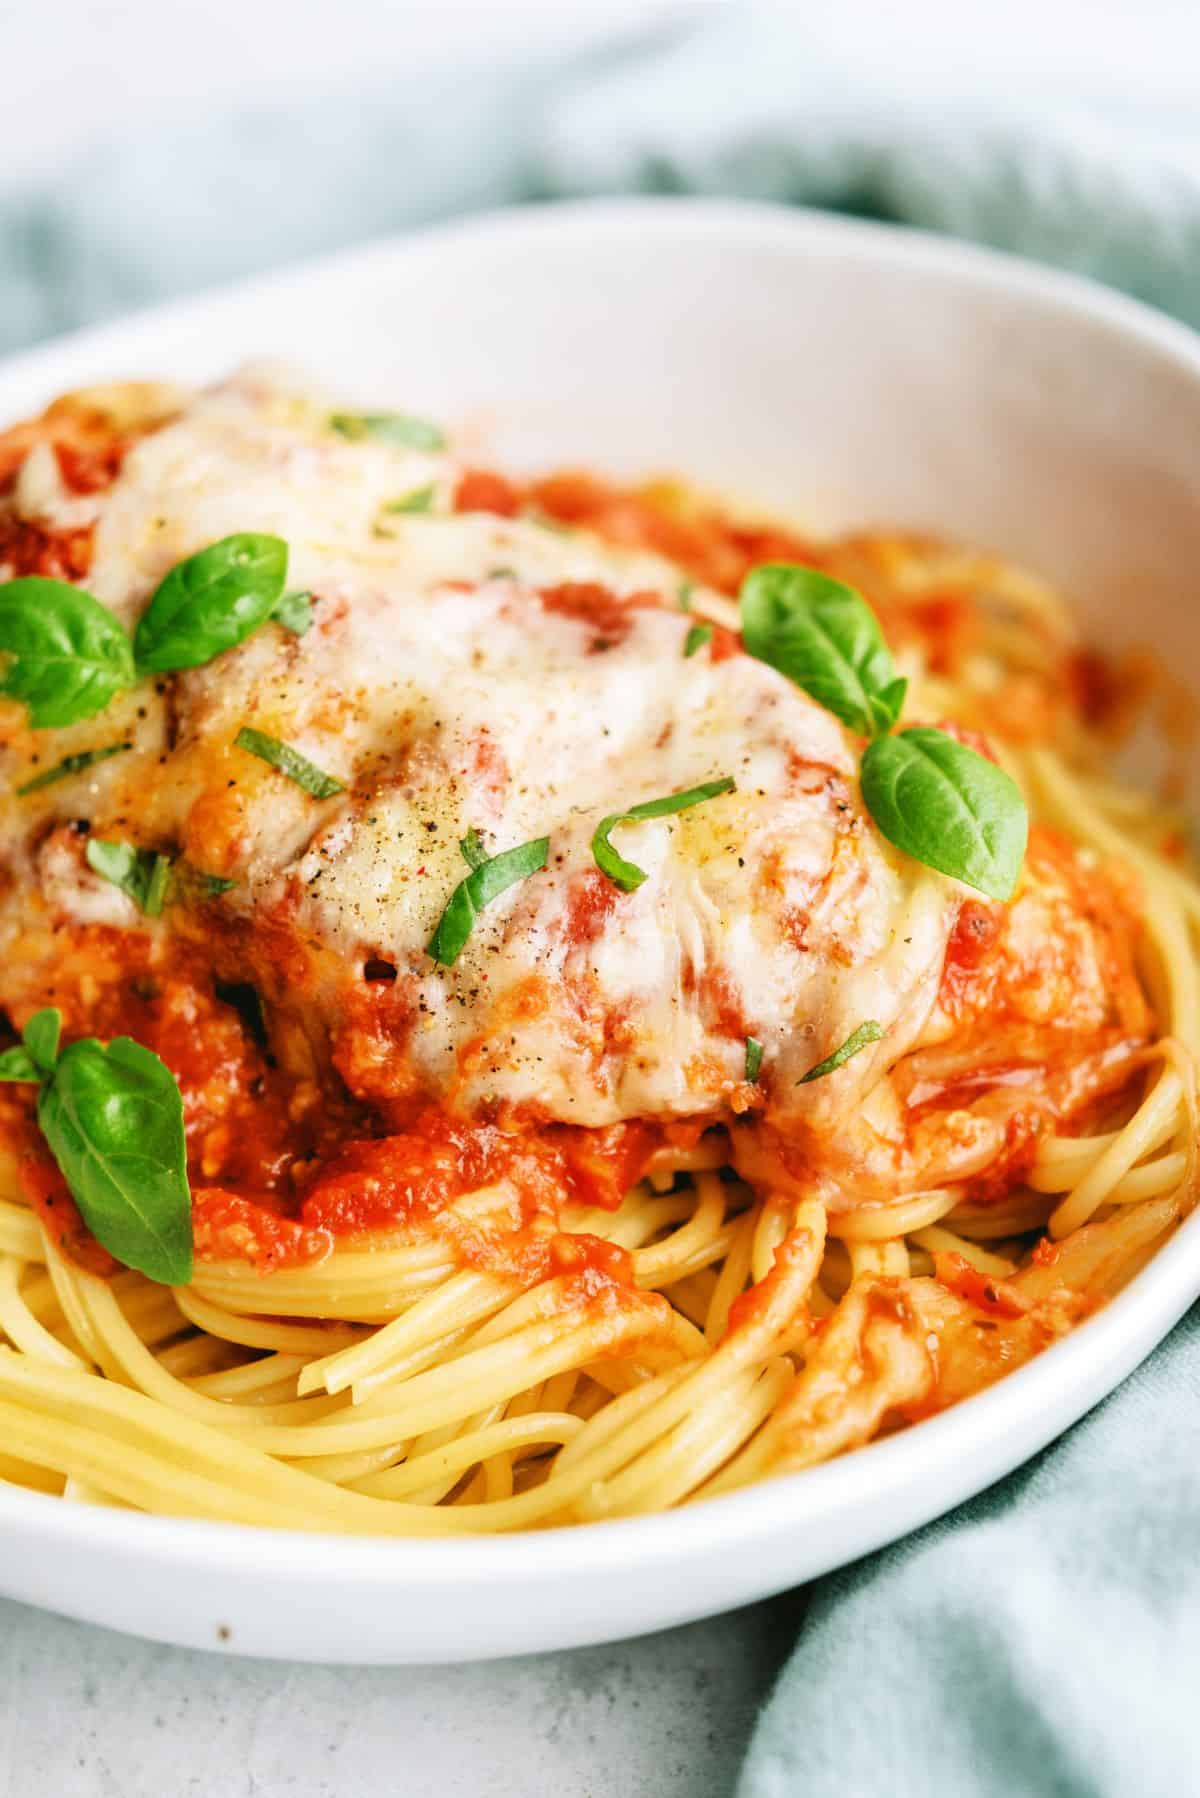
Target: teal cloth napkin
x,y
1045,1639
1068,131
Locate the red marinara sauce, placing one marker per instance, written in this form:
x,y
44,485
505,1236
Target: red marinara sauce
x,y
372,1186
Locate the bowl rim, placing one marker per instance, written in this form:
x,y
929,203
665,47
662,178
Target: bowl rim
x,y
958,1452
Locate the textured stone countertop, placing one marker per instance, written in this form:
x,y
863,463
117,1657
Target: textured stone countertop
x,y
85,1713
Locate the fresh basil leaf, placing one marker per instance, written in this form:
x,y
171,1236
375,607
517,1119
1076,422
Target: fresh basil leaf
x,y
472,850
289,761
41,1037
889,704
113,1119
683,594
486,881
754,1055
627,875
419,500
71,764
697,637
870,1032
18,1064
825,637
211,602
294,612
948,807
141,873
389,427
61,651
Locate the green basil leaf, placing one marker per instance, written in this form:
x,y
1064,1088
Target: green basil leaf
x,y
141,873
683,594
71,764
870,1032
486,881
41,1037
294,612
289,761
113,1118
61,651
419,500
211,602
697,637
825,637
18,1064
472,850
889,704
948,807
389,427
627,875
754,1055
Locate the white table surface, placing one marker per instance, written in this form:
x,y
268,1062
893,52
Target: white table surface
x,y
85,1713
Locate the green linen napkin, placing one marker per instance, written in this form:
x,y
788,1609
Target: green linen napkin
x,y
1043,1641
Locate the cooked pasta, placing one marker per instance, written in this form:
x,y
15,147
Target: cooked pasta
x,y
528,1184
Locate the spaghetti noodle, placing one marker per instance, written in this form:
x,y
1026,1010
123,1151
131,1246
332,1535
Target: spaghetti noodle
x,y
441,1314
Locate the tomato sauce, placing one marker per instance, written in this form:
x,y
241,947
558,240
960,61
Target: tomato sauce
x,y
711,547
31,548
590,603
480,490
995,1298
280,1172
51,1201
389,1182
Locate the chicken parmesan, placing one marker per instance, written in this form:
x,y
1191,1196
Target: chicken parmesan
x,y
530,1000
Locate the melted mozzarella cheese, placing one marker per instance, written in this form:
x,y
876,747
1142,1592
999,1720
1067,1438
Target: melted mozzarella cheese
x,y
447,693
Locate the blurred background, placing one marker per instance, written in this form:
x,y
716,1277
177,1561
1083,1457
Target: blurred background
x,y
151,149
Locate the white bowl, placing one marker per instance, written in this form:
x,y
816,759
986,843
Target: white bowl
x,y
847,372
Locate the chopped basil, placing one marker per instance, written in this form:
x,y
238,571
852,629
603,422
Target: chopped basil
x,y
754,1055
61,651
141,873
289,761
71,764
486,881
419,500
683,594
697,637
870,1032
389,427
295,612
536,516
947,806
208,886
627,875
211,602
